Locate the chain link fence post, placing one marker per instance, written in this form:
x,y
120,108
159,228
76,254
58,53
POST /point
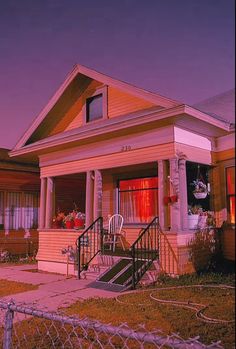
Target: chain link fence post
x,y
8,327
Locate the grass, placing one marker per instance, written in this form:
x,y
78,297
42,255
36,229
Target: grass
x,y
138,309
12,287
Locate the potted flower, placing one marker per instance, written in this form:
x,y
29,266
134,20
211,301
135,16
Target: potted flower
x,y
200,190
69,221
79,220
58,220
193,216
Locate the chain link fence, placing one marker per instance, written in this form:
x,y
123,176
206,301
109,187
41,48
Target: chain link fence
x,y
26,327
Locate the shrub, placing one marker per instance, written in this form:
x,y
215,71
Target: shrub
x,y
204,250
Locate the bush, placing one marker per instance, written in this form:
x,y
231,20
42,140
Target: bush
x,y
204,250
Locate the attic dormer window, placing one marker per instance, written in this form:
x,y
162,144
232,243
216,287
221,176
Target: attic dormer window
x,y
94,108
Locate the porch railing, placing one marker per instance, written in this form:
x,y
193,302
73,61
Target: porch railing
x,y
89,244
145,250
168,259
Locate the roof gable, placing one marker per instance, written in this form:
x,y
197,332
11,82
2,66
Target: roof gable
x,y
61,111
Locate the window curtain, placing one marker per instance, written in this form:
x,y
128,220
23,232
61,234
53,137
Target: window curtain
x,y
138,199
13,211
30,215
17,214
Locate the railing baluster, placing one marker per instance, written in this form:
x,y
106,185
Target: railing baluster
x,y
144,250
89,244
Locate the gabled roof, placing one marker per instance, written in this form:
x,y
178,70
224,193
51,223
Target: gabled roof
x,y
105,79
221,106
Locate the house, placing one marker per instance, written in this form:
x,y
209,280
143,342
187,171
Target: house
x,y
19,204
109,147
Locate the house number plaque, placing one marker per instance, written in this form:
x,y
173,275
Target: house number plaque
x,y
126,148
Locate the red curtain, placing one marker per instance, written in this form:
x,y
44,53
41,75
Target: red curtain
x,y
139,199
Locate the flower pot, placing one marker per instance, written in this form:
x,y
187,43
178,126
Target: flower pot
x,y
70,224
166,200
174,198
79,223
193,221
200,195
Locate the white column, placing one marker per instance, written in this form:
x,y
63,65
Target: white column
x,y
175,220
42,208
162,191
89,198
97,206
183,195
49,202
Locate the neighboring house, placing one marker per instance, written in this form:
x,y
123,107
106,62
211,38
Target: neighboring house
x,y
19,202
109,147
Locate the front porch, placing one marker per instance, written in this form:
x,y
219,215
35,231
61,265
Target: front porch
x,y
138,192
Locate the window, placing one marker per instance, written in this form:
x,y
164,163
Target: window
x,y
19,211
230,186
94,108
138,199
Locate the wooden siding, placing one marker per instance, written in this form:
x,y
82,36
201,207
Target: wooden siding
x,y
110,144
223,155
228,243
76,112
18,180
118,102
125,158
121,103
52,242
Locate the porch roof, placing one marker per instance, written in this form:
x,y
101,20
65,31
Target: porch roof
x,y
181,115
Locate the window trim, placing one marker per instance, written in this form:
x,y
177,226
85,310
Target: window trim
x,y
100,91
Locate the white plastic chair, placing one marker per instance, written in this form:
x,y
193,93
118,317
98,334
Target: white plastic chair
x,y
115,233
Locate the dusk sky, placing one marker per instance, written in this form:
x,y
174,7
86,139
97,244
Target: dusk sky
x,y
182,49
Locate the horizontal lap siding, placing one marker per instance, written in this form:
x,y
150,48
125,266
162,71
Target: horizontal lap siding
x,y
120,103
137,156
52,242
223,155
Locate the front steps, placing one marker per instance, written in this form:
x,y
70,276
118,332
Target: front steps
x,y
115,273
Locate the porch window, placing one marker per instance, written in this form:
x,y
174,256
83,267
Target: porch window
x,y
230,183
138,199
94,108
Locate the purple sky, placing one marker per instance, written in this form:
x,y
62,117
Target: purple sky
x,y
183,49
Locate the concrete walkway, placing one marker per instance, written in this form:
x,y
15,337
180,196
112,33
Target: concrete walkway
x,y
54,290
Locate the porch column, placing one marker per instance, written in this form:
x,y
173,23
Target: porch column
x,y
183,195
162,191
42,208
89,198
49,202
174,190
97,206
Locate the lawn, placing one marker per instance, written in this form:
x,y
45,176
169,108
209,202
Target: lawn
x,y
137,308
12,287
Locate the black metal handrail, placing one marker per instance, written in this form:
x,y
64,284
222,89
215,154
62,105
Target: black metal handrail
x,y
89,244
145,249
